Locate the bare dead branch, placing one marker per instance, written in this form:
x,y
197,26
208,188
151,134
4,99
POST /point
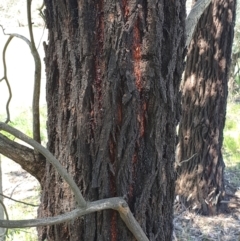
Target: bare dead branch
x,y
178,164
49,157
37,84
193,17
118,204
17,201
41,36
37,78
5,77
37,74
24,156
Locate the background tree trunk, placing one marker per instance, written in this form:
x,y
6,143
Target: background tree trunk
x,y
2,230
200,182
113,75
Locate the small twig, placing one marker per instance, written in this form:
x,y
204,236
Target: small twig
x,y
6,213
29,204
15,189
41,13
5,77
180,163
41,7
37,74
41,37
27,41
37,82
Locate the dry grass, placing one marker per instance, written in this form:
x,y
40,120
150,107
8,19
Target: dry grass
x,y
189,226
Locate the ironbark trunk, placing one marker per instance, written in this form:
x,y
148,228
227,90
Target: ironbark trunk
x,y
113,75
200,182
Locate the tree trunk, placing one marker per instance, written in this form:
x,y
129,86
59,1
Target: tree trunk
x,y
2,230
200,183
113,75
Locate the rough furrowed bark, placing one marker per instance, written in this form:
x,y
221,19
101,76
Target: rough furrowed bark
x,y
83,207
200,183
112,92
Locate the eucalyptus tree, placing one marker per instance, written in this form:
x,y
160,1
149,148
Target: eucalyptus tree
x,y
112,93
113,73
200,165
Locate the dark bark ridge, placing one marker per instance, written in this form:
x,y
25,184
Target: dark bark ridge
x,y
200,181
112,91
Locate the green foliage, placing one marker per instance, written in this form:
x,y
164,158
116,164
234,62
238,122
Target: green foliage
x,y
236,42
236,48
23,122
22,234
231,144
237,80
43,122
230,125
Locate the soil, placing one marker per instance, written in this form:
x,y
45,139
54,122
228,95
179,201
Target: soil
x,y
17,183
